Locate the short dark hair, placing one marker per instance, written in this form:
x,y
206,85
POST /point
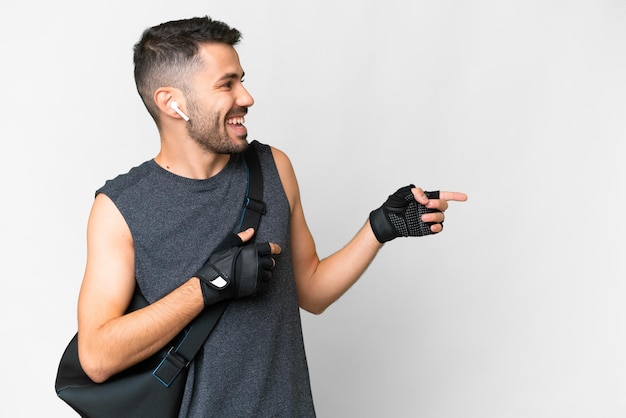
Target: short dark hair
x,y
167,53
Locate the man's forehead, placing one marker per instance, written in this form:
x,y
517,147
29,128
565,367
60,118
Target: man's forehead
x,y
220,56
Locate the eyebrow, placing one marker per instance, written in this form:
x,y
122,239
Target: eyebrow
x,y
232,76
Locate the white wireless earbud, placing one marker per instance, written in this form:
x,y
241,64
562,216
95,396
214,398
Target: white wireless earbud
x,y
174,106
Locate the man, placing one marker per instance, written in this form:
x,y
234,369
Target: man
x,y
157,226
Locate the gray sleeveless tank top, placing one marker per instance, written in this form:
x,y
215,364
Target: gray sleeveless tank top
x,y
254,363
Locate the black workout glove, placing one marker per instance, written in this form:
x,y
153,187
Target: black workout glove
x,y
401,216
235,271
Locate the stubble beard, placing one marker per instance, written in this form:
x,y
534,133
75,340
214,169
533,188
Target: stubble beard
x,y
209,132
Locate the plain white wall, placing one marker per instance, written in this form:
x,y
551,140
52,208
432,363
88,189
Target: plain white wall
x,y
516,310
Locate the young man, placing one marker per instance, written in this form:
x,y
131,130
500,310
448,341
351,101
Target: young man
x,y
160,226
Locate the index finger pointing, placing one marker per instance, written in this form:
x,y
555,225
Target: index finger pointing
x,y
453,196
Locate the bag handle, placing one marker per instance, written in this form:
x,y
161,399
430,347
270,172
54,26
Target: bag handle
x,y
179,357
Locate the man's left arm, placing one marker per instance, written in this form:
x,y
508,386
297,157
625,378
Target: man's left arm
x,y
319,283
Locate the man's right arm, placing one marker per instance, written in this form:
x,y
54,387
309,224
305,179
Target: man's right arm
x,y
109,340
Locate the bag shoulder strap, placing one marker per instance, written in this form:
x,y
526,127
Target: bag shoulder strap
x,y
253,206
179,356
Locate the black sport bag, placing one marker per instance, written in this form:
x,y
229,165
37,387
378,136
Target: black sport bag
x,y
151,388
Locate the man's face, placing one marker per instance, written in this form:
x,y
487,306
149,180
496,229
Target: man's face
x,y
218,101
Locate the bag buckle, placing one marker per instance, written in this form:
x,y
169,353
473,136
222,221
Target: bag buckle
x,y
170,367
254,205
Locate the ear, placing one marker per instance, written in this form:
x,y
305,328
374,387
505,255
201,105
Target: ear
x,y
164,96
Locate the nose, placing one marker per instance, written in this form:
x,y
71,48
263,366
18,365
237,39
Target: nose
x,y
244,99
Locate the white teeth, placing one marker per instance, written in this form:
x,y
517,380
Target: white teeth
x,y
236,121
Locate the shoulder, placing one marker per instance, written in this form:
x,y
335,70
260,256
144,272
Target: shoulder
x,y
118,184
280,159
287,176
284,168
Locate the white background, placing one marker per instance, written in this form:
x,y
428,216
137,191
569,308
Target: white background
x,y
516,310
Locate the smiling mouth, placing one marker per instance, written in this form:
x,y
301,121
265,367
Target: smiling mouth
x,y
236,121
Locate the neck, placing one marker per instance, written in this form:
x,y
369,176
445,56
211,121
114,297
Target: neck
x,y
199,164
